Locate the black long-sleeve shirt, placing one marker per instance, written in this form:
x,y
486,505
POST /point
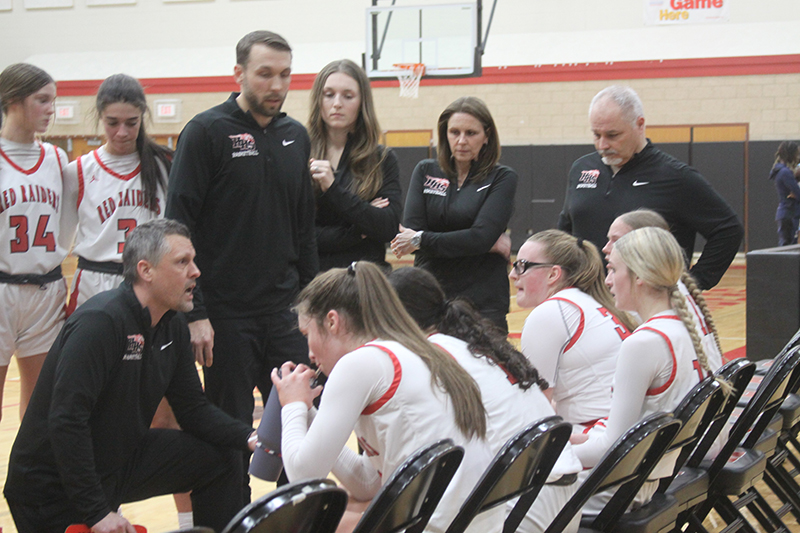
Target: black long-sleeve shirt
x,y
459,228
95,399
245,193
655,180
349,228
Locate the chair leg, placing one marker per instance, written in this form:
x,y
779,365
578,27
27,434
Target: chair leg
x,y
785,488
730,514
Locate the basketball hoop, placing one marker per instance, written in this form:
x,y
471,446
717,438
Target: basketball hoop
x,y
409,75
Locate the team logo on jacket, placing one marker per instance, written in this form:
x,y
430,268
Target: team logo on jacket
x,y
243,145
437,186
134,348
588,179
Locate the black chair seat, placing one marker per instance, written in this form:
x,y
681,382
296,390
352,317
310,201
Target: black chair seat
x,y
311,506
689,487
744,468
659,514
790,411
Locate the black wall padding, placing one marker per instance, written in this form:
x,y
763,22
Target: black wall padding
x,y
773,300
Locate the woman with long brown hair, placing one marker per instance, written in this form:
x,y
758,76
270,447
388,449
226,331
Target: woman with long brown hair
x,y
386,382
356,179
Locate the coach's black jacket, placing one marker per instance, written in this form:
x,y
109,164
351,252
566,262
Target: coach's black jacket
x,y
95,399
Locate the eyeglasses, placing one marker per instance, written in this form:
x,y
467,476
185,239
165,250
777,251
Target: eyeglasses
x,y
521,266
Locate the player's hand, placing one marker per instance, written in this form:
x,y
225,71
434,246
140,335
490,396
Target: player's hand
x,y
113,523
401,244
321,173
294,384
202,335
380,203
502,246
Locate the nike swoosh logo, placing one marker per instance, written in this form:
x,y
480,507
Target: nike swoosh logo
x,y
170,342
639,183
287,143
481,188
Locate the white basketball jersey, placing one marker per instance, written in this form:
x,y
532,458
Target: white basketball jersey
x,y
111,203
583,371
30,214
410,415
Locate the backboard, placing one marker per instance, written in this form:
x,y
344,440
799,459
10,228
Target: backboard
x,y
443,36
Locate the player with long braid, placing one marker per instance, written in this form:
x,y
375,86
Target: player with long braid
x,y
704,323
662,360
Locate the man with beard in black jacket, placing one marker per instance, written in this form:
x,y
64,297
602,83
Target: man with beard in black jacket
x,y
85,445
627,172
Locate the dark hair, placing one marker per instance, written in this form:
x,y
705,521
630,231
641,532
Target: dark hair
x,y
490,152
267,38
148,242
370,307
424,299
365,157
18,81
121,88
788,153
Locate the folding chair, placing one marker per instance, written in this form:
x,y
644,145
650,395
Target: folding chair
x,y
696,413
520,468
690,486
736,468
625,466
311,506
408,498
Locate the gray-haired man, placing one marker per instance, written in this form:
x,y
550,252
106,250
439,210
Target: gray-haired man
x,y
84,446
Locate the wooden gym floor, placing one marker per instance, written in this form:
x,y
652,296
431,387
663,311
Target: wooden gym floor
x,y
727,302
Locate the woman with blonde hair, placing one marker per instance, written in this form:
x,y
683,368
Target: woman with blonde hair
x,y
695,302
574,332
356,179
662,360
385,381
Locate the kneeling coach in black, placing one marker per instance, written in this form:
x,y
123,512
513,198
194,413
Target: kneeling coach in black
x,y
85,445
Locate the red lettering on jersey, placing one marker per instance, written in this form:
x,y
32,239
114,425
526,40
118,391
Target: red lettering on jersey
x,y
699,369
158,206
100,214
620,328
140,198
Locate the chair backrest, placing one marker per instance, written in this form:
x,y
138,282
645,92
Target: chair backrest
x,y
310,506
758,413
696,412
408,498
520,467
626,466
738,374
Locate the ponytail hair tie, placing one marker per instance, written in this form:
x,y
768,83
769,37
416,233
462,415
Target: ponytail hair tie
x,y
580,243
351,268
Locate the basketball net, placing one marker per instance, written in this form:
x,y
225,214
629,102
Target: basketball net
x,y
409,75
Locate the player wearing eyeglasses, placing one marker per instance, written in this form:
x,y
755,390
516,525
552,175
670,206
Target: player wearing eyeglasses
x,y
574,332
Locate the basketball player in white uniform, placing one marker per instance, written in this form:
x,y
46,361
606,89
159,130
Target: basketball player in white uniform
x,y
642,218
662,360
113,189
510,386
32,245
574,332
381,389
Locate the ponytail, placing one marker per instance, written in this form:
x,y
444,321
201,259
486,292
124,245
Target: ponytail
x,y
371,308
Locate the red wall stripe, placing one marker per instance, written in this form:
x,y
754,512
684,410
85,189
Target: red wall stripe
x,y
668,68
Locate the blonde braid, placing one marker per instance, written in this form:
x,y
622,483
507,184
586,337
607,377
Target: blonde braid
x,y
678,303
697,296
